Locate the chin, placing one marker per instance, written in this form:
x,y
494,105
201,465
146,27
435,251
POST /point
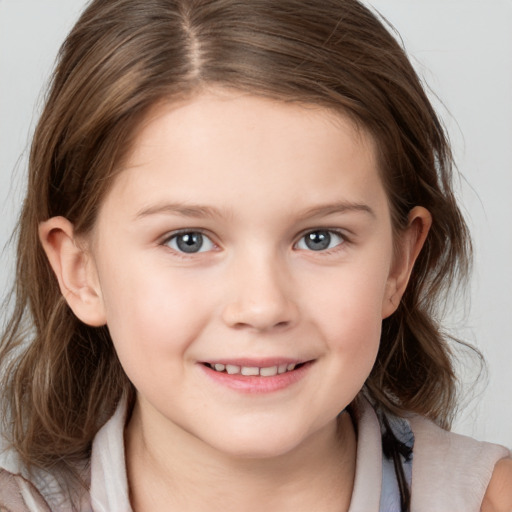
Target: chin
x,y
265,444
257,450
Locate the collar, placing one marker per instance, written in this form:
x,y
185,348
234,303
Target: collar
x,y
109,485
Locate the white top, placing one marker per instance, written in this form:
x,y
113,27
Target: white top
x,y
450,472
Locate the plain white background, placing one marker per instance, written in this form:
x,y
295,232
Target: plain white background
x,y
463,51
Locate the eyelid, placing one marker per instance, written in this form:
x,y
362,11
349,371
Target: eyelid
x,y
337,232
173,234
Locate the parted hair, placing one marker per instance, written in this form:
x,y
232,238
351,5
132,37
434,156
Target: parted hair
x,y
60,378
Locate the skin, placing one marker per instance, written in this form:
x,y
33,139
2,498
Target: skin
x,y
498,497
254,176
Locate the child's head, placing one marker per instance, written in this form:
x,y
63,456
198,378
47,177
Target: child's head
x,y
126,66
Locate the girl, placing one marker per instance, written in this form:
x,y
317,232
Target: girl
x,y
239,222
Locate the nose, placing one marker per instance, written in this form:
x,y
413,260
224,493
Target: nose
x,y
260,295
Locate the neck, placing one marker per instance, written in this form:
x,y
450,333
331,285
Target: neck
x,y
188,475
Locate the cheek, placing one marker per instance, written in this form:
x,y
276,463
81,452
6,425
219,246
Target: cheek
x,y
151,326
355,335
350,302
350,327
348,314
150,313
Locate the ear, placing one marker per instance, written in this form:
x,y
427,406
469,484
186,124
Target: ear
x,y
410,243
74,269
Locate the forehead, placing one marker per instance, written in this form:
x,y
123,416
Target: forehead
x,y
222,146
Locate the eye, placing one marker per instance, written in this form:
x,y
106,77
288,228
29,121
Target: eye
x,y
190,242
320,240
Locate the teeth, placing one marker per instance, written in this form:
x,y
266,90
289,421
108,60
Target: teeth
x,y
232,369
270,371
250,370
282,368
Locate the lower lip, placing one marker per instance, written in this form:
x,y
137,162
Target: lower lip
x,y
255,384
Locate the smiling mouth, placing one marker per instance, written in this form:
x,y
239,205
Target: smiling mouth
x,y
254,371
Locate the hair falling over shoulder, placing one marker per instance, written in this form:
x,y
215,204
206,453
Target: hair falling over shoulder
x,y
61,379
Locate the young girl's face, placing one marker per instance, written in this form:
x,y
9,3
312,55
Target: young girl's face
x,y
243,261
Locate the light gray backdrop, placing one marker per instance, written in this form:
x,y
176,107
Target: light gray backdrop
x,y
462,48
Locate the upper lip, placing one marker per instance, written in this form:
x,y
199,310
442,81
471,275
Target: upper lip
x,y
256,362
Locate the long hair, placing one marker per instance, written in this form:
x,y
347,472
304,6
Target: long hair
x,y
61,379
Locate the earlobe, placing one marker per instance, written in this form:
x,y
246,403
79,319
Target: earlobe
x,y
410,244
74,270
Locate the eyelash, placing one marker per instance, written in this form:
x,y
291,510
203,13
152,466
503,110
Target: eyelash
x,y
174,236
343,239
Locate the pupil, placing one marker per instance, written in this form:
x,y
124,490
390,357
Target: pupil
x,y
190,242
318,240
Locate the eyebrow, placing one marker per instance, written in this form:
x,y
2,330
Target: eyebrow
x,y
202,212
338,207
182,209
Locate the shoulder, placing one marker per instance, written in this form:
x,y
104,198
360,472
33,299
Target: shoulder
x,y
451,470
434,444
498,497
15,490
42,491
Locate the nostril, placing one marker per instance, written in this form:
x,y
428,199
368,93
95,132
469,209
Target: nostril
x,y
278,325
260,313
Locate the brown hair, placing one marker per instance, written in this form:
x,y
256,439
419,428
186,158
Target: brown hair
x,y
61,378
